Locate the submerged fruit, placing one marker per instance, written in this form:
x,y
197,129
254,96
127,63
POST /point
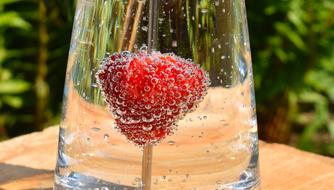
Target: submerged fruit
x,y
148,93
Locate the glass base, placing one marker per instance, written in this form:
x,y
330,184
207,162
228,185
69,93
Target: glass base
x,y
77,181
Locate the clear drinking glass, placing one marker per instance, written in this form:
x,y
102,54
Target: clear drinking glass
x,y
208,137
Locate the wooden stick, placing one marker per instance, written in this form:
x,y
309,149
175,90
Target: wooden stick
x,y
126,24
153,25
152,43
136,24
147,166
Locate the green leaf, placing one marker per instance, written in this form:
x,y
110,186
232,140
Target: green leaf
x,y
312,97
297,21
294,37
12,19
3,2
5,74
321,81
3,54
13,86
13,101
331,129
270,10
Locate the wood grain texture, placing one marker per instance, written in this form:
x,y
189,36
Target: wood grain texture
x,y
27,162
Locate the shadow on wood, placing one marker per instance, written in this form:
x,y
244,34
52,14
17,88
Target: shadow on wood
x,y
14,172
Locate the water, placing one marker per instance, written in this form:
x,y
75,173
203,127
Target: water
x,y
214,147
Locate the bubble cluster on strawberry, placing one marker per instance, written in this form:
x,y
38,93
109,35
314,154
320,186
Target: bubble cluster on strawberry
x,y
149,93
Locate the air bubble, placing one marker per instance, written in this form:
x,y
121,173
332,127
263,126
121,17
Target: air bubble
x,y
118,74
147,106
147,88
95,129
126,53
154,81
223,57
114,79
116,89
143,49
204,11
171,143
172,102
180,77
106,137
157,116
122,96
134,120
169,112
137,179
147,127
144,28
174,43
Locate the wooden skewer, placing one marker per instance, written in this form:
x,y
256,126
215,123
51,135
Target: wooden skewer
x,y
148,148
136,24
126,24
147,166
151,41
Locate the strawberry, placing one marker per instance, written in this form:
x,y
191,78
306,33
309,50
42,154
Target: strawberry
x,y
149,93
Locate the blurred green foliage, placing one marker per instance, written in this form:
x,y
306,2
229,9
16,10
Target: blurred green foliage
x,y
34,43
293,56
293,62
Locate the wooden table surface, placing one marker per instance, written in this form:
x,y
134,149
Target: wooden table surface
x,y
27,162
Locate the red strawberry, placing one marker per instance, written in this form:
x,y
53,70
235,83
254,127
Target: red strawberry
x,y
148,93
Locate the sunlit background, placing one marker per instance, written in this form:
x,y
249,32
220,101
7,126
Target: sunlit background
x,y
292,45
